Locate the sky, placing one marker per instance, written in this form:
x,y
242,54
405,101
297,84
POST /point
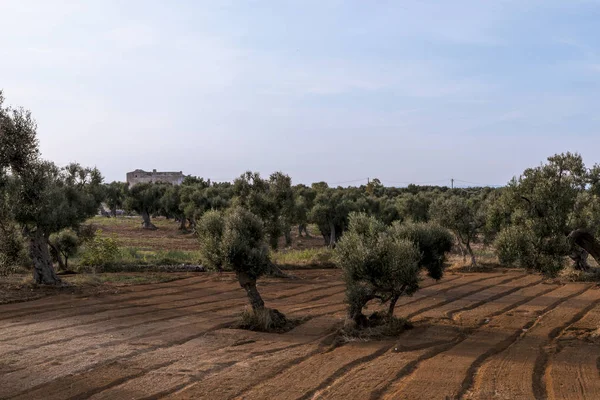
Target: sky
x,y
325,90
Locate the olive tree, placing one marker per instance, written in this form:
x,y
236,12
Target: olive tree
x,y
376,265
546,205
462,216
199,196
145,199
114,196
414,207
271,200
170,205
46,199
236,240
304,197
330,213
432,242
63,245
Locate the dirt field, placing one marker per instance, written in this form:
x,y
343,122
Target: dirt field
x,y
477,336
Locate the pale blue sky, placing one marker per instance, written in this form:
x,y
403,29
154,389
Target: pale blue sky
x,y
406,91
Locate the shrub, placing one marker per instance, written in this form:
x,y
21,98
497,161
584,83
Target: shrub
x,y
514,246
64,244
86,232
210,233
432,241
12,249
517,245
376,265
100,251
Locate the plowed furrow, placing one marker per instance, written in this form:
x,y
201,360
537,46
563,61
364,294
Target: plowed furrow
x,y
451,291
39,310
441,288
157,299
64,301
495,288
21,382
307,376
156,373
572,373
125,330
451,368
483,312
116,335
376,383
510,371
83,309
452,295
541,363
492,295
370,378
261,366
194,365
183,306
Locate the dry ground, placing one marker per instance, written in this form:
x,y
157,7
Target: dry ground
x,y
499,335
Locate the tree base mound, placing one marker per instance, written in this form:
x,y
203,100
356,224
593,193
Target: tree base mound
x,y
570,274
377,326
266,320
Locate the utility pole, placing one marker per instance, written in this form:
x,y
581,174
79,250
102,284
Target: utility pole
x,y
452,183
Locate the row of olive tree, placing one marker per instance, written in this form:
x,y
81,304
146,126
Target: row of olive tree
x,y
380,262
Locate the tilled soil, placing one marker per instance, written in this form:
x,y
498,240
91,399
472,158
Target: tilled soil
x,y
500,335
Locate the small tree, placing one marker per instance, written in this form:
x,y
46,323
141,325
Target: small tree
x,y
114,196
414,207
12,249
144,198
376,265
463,217
546,207
63,245
330,213
170,204
271,200
46,199
210,229
432,241
236,240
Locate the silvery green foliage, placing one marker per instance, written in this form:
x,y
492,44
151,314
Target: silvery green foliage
x,y
376,263
546,203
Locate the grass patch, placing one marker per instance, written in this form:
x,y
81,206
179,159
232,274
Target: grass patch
x,y
132,255
131,259
266,320
304,258
380,326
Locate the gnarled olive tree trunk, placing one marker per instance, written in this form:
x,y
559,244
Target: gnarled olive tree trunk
x,y
248,283
43,271
583,242
182,224
147,223
58,255
332,234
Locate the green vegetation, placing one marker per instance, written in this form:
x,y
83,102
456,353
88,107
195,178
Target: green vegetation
x,y
383,263
320,257
236,240
542,218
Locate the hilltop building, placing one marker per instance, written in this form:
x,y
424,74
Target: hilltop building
x,y
141,176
